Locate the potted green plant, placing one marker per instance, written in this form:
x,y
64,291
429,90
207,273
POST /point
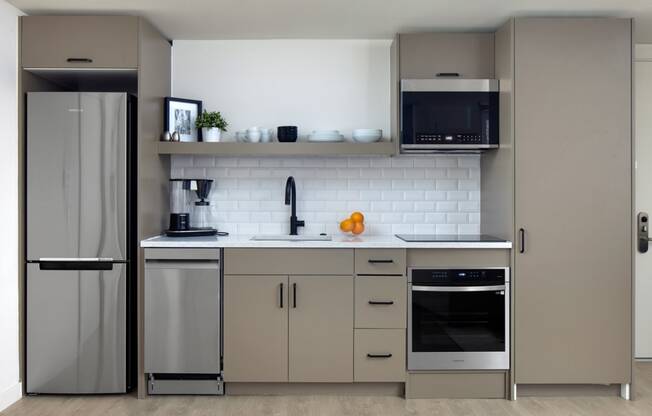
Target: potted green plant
x,y
212,124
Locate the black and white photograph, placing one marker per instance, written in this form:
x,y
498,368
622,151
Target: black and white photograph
x,y
180,116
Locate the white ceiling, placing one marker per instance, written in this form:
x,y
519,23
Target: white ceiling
x,y
250,19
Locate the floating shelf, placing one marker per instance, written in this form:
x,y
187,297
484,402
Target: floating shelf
x,y
276,149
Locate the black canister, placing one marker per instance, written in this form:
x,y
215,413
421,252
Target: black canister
x,y
286,133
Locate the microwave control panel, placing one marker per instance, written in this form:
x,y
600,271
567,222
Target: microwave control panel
x,y
423,138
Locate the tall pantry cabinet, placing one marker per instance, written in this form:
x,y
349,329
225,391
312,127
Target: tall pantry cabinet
x,y
566,158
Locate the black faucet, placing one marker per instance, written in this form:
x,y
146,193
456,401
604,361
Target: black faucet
x,y
291,198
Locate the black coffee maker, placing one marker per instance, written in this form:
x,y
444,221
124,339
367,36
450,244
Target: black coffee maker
x,y
181,192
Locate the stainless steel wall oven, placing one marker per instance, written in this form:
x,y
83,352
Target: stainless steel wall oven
x,y
458,319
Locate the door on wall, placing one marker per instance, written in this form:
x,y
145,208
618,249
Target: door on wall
x,y
643,175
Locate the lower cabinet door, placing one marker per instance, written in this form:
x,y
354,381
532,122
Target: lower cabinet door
x,y
321,329
256,328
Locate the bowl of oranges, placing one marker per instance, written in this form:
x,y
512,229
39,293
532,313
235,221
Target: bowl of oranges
x,y
354,224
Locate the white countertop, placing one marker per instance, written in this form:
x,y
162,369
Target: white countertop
x,y
338,241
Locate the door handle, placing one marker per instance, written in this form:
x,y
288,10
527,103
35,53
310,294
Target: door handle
x,y
382,261
80,60
643,227
280,291
521,240
294,295
381,302
388,355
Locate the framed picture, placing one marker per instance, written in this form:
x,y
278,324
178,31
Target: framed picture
x,y
180,115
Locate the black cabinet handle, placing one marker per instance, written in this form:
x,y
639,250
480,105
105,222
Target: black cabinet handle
x,y
381,302
379,355
294,295
381,261
448,74
280,291
521,242
81,60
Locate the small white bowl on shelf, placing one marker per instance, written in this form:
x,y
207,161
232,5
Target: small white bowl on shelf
x,y
367,135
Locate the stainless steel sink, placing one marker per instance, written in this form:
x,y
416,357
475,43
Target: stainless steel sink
x,y
285,237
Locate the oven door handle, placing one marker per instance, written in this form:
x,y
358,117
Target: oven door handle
x,y
458,288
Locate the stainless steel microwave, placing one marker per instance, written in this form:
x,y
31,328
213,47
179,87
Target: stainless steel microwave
x,y
448,115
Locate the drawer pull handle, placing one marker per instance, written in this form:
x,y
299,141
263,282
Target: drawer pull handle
x,y
83,60
380,261
381,302
280,292
379,355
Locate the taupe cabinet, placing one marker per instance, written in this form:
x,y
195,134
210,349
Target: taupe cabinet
x,y
321,329
79,42
300,315
380,315
255,328
282,326
565,169
273,335
424,55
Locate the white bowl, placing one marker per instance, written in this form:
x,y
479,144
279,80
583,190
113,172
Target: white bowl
x,y
367,138
363,132
314,138
325,133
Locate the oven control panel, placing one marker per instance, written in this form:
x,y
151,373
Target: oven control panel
x,y
428,138
458,277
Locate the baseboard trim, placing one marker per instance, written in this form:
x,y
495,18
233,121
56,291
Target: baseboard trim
x,y
11,396
567,390
314,389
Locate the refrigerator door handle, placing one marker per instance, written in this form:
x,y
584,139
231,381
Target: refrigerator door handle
x,y
68,259
75,264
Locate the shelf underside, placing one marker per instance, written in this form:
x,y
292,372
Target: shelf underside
x,y
277,149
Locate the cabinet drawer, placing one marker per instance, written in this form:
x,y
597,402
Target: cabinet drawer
x,y
379,355
380,261
79,42
288,261
380,301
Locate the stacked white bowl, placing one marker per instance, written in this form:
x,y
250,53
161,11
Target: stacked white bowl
x,y
325,136
367,135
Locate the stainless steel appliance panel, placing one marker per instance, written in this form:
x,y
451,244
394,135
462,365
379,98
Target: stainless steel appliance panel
x,y
76,175
75,330
182,316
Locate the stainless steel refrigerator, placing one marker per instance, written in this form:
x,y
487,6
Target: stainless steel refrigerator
x,y
79,285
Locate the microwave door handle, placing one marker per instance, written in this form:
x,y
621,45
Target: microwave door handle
x,y
458,288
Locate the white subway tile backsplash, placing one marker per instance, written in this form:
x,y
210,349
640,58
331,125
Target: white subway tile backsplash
x,y
423,194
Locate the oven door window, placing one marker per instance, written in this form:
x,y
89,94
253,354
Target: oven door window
x,y
458,321
447,113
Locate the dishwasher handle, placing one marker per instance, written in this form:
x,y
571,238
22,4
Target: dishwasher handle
x,y
182,264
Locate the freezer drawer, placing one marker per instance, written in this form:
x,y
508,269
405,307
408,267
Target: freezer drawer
x,y
76,155
182,315
76,330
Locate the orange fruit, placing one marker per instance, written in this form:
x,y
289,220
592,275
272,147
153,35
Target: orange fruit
x,y
347,225
357,217
358,228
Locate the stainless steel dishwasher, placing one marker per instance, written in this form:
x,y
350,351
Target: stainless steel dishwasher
x,y
183,321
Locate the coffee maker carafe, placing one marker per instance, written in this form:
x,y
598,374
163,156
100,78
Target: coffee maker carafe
x,y
189,219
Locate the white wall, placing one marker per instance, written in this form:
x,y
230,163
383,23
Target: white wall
x,y
10,388
313,84
336,84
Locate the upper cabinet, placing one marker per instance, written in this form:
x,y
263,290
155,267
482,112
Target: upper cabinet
x,y
425,55
109,42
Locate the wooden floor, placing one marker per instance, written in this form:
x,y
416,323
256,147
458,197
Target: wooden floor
x,y
337,405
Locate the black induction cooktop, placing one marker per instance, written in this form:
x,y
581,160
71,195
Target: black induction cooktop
x,y
448,238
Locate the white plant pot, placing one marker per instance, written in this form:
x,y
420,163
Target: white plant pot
x,y
211,135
